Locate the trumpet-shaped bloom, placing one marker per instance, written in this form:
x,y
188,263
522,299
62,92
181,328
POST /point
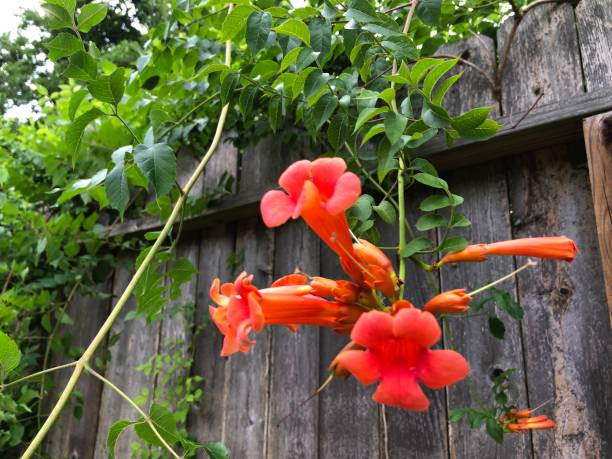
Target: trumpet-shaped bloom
x,y
556,248
537,422
397,355
377,270
243,308
452,301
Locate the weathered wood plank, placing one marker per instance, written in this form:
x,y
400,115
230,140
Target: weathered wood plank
x,y
594,22
544,59
598,141
71,437
486,205
136,344
344,399
566,326
293,426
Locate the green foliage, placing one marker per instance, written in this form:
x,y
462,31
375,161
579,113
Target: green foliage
x,y
10,355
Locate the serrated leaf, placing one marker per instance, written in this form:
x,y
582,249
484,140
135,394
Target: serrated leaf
x,y
117,188
294,28
164,422
416,245
68,5
229,83
216,450
236,21
81,66
290,58
74,133
113,435
314,82
420,68
258,27
246,100
395,124
63,45
453,244
91,14
497,327
339,130
108,88
306,57
10,355
57,17
431,180
386,211
75,101
444,87
430,221
324,109
428,11
435,74
320,37
367,114
158,163
298,85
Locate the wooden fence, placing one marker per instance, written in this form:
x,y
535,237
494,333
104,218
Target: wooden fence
x,y
530,180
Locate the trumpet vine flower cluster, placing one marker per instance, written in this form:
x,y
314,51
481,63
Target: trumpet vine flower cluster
x,y
390,338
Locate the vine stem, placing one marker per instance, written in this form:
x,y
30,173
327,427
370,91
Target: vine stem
x,y
34,375
99,338
144,415
529,264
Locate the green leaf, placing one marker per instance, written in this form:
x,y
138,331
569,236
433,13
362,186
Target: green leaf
x,y
324,109
75,101
416,245
435,74
420,68
385,154
108,88
431,180
158,163
495,431
505,302
444,87
68,5
216,450
428,11
117,188
386,211
235,21
246,100
298,85
395,124
320,37
229,83
361,11
265,70
423,165
453,244
91,14
497,327
314,82
434,116
164,422
459,221
290,58
275,110
212,68
339,130
306,57
57,17
362,209
430,221
81,66
10,355
456,415
373,131
471,120
63,45
258,28
436,202
367,114
74,133
294,28
113,435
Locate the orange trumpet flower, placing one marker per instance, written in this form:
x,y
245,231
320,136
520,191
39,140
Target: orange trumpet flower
x,y
452,301
537,422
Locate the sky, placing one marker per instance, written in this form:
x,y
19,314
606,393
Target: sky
x,y
9,20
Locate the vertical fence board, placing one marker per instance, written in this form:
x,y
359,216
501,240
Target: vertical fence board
x,y
136,344
69,436
295,357
543,59
486,205
598,141
344,399
594,21
217,244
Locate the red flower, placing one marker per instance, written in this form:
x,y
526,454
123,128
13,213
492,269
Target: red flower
x,y
243,308
397,354
452,301
557,248
536,422
377,270
318,191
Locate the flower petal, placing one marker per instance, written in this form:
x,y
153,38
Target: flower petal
x,y
373,329
418,326
325,174
400,389
276,208
360,364
292,180
438,369
346,192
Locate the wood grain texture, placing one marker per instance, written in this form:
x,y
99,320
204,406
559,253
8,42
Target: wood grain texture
x,y
136,344
594,22
293,426
544,58
598,142
486,205
344,398
566,327
71,437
